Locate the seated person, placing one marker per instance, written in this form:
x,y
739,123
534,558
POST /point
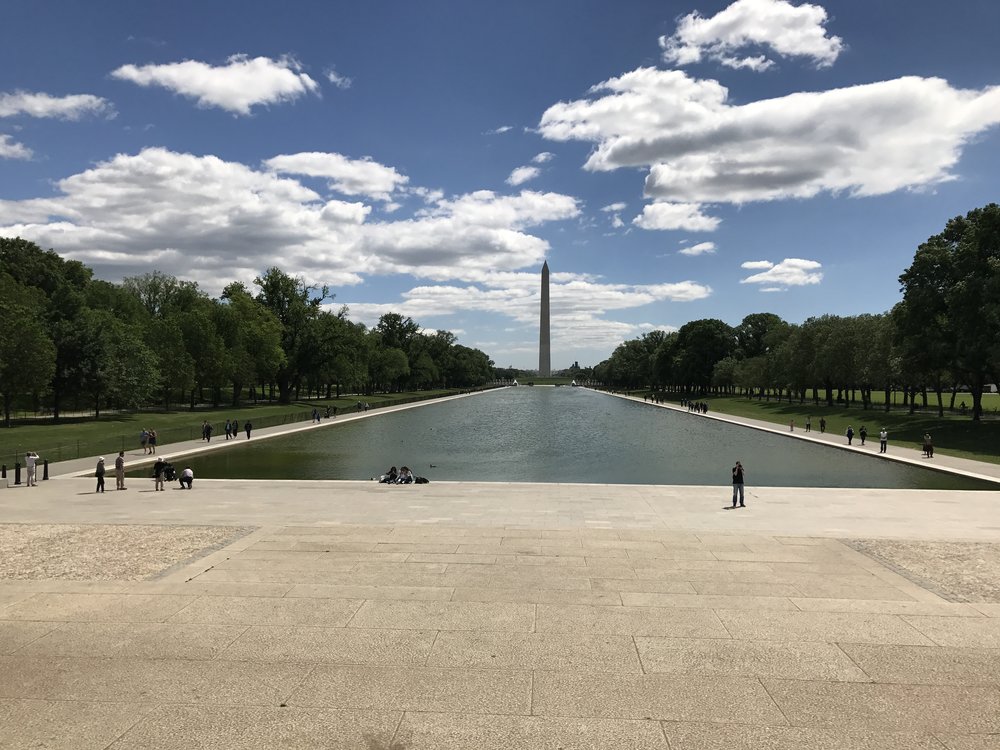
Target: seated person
x,y
389,477
187,477
405,476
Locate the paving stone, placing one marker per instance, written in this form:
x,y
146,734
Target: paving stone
x,y
62,725
888,708
784,659
490,691
550,651
264,728
927,665
322,591
140,640
537,596
432,731
208,588
835,590
699,601
726,588
968,632
658,697
334,645
445,615
829,627
990,610
643,586
970,741
269,611
157,680
876,606
15,635
96,607
691,736
654,621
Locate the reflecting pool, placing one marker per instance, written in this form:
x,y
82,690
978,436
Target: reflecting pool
x,y
546,434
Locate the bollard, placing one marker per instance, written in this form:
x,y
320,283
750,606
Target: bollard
x,y
17,473
45,469
3,471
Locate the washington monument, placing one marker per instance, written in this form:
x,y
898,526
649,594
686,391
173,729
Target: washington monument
x,y
544,347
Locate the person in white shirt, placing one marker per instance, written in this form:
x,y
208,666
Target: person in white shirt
x,y
30,460
883,440
187,477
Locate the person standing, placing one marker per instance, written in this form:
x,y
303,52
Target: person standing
x,y
158,469
863,434
247,426
850,435
738,484
208,431
883,440
229,429
99,473
791,426
30,463
152,441
928,446
144,440
809,424
120,471
822,425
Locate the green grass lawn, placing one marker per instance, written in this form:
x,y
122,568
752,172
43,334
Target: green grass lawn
x,y
953,434
78,437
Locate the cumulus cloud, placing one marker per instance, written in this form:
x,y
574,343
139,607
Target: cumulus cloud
x,y
789,272
543,157
240,84
341,82
38,104
213,221
522,175
10,149
864,140
786,29
348,176
667,216
702,248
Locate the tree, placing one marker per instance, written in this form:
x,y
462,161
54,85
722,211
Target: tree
x,y
702,343
27,354
951,292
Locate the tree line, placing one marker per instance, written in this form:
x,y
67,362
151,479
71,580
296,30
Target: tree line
x,y
68,339
942,336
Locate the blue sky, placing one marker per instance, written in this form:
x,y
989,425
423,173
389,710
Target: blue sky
x,y
671,160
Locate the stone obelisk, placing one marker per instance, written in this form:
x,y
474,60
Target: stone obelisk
x,y
544,344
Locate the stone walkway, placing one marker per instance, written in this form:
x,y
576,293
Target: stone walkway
x,y
470,616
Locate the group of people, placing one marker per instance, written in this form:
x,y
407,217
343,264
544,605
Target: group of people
x,y
147,439
699,407
119,472
233,429
403,476
164,471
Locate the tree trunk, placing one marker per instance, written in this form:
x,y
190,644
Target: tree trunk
x,y
237,390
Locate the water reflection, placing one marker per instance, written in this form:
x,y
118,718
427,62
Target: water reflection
x,y
561,435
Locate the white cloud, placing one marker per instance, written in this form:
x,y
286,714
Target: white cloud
x,y
38,104
616,221
773,289
212,221
864,140
702,248
500,130
614,207
522,175
341,82
348,176
10,149
666,216
542,157
237,86
786,29
789,272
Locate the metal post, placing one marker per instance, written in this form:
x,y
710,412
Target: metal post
x,y
3,471
17,473
45,469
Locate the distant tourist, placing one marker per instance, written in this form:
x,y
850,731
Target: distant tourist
x,y
30,463
390,476
158,469
99,473
208,431
144,440
247,426
120,471
738,485
850,435
928,446
229,429
405,476
883,440
152,441
809,424
791,426
187,477
863,434
822,425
